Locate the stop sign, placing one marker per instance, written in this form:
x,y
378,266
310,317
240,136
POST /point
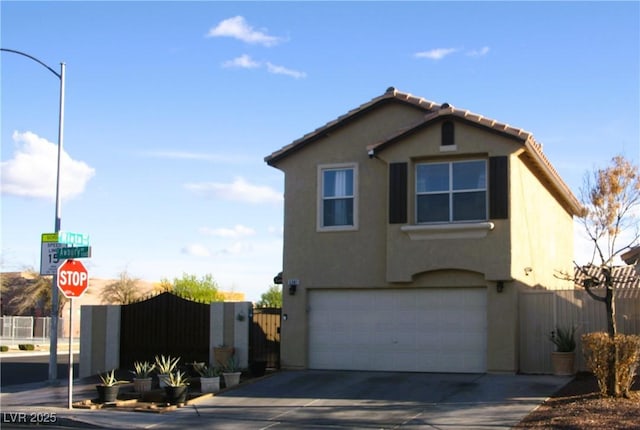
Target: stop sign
x,y
73,278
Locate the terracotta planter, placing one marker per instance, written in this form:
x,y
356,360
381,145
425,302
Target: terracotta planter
x,y
563,363
222,355
107,393
176,395
209,384
140,385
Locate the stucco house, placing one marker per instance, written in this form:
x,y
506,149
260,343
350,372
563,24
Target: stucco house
x,y
409,229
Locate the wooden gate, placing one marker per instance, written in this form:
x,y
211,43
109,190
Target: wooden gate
x,y
165,324
264,336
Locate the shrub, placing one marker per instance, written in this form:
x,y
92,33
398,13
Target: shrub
x,y
4,348
26,347
598,349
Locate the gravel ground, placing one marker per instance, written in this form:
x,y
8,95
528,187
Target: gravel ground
x,y
578,405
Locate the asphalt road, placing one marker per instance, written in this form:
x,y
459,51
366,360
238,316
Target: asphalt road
x,y
33,368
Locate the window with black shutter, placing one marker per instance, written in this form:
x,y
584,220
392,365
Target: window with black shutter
x,y
398,175
499,187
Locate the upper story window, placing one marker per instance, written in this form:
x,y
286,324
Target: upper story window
x,y
338,198
447,132
451,191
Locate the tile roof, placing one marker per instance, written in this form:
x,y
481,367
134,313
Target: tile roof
x,y
434,111
390,94
632,256
625,277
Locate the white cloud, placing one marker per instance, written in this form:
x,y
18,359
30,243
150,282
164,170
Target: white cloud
x,y
238,190
281,70
196,250
435,54
244,62
238,28
479,52
235,232
32,170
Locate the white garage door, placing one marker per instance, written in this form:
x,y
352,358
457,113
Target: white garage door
x,y
420,330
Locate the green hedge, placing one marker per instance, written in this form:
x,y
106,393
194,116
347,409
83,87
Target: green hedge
x,y
4,348
26,347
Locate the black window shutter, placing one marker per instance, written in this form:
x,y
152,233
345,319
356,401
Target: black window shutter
x,y
398,193
499,187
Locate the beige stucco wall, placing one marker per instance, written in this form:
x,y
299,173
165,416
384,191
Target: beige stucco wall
x,y
379,255
541,231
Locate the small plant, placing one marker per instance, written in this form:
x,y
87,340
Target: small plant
x,y
231,366
26,347
4,348
208,371
177,379
166,365
143,369
109,378
564,339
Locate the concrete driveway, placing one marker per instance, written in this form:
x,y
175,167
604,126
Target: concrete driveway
x,y
359,400
317,400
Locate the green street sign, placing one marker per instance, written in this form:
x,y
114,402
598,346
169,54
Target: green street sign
x,y
74,239
73,252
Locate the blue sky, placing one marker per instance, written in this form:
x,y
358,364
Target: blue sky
x,y
172,106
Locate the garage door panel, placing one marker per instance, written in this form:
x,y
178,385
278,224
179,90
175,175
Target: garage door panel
x,y
429,330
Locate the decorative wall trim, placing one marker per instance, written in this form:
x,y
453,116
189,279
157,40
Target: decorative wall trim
x,y
448,231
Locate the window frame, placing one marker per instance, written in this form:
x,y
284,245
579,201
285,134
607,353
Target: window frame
x,y
321,199
450,191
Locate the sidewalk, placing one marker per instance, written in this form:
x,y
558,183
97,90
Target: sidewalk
x,y
43,404
40,349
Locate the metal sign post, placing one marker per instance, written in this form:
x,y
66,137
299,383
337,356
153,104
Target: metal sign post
x,y
70,353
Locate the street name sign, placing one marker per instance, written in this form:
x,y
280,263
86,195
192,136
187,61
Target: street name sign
x,y
73,239
52,243
73,252
73,278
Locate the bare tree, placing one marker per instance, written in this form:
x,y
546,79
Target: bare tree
x,y
123,291
610,197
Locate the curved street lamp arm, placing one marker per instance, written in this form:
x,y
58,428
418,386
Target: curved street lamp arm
x,y
58,75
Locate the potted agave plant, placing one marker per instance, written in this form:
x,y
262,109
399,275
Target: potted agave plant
x,y
231,373
209,379
176,388
563,358
109,388
142,376
165,366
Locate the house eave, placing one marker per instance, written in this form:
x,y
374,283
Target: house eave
x,y
391,95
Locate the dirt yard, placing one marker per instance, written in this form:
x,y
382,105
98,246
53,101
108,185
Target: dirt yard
x,y
578,405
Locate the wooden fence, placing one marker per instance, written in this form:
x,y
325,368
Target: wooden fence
x,y
165,324
264,337
542,311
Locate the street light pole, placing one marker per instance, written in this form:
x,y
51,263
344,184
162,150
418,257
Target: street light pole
x,y
53,335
